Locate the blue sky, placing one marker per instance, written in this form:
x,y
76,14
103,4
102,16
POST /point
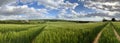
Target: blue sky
x,y
54,12
85,10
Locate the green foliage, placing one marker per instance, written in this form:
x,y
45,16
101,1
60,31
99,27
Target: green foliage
x,y
25,36
108,35
117,26
14,27
69,33
22,22
58,32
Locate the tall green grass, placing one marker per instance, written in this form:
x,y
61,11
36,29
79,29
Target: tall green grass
x,y
57,32
69,33
117,26
14,27
108,35
22,36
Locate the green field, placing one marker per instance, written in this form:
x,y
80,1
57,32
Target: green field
x,y
61,32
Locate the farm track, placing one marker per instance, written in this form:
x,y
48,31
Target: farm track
x,y
98,36
37,33
115,32
96,40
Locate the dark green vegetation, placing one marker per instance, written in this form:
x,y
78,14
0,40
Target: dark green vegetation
x,y
59,32
41,21
108,35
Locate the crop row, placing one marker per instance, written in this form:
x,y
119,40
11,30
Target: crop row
x,y
117,26
21,36
108,35
16,28
69,33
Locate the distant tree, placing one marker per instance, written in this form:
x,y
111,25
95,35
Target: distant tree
x,y
104,20
113,19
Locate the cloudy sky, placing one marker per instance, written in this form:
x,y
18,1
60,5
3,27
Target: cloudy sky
x,y
87,10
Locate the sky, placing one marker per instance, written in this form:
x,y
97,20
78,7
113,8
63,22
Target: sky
x,y
82,10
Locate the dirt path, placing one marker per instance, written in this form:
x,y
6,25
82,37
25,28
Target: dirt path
x,y
96,40
32,40
98,36
116,34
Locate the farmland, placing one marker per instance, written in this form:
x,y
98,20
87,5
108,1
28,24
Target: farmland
x,y
61,32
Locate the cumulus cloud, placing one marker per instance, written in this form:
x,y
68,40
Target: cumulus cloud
x,y
14,10
71,15
51,3
54,4
68,5
4,2
104,8
12,17
21,12
111,7
8,11
102,15
64,15
26,1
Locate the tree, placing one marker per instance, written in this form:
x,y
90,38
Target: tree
x,y
104,20
113,19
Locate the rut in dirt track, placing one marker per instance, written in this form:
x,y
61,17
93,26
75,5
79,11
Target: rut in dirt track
x,y
115,32
38,33
98,36
96,40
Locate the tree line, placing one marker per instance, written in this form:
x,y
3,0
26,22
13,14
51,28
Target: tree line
x,y
113,19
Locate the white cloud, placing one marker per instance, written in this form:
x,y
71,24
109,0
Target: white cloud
x,y
81,0
26,1
68,5
64,15
71,15
111,7
11,17
104,8
55,4
78,14
4,2
14,12
8,10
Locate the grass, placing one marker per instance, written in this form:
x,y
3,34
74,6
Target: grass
x,y
69,33
20,37
58,32
108,35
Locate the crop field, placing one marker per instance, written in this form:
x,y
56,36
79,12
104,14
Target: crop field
x,y
61,32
